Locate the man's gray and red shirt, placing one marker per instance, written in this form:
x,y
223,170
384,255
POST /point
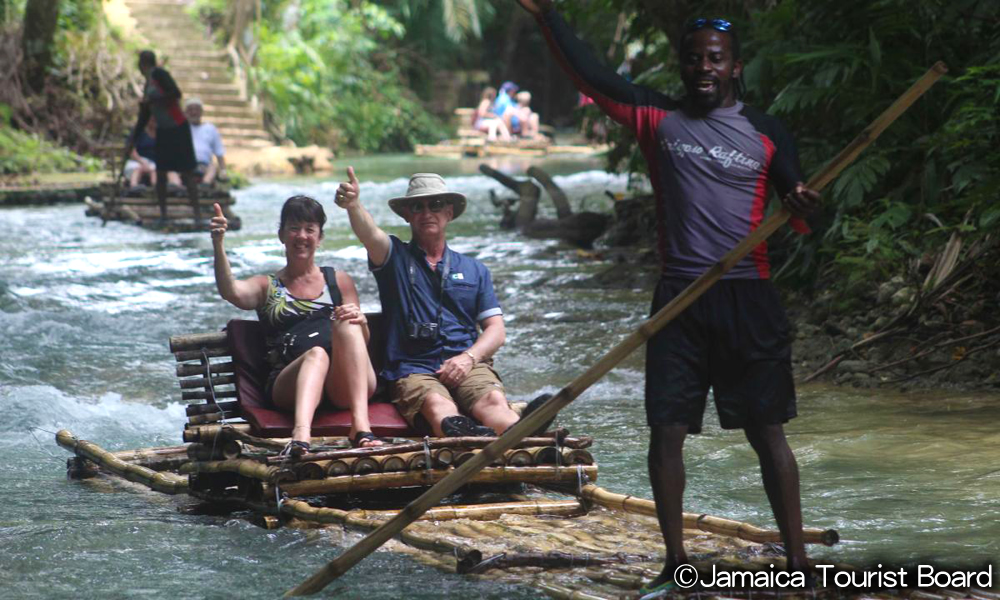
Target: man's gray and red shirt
x,y
711,174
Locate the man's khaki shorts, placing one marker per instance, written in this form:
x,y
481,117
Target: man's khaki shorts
x,y
408,393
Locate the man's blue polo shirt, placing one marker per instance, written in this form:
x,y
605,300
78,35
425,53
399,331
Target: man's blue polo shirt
x,y
468,299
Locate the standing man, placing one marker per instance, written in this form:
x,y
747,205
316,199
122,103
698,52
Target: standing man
x,y
174,147
437,364
711,161
207,143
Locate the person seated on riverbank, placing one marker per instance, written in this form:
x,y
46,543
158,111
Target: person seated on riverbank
x,y
207,144
524,121
438,365
174,147
485,120
316,334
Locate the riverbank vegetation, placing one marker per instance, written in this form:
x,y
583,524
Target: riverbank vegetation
x,y
67,85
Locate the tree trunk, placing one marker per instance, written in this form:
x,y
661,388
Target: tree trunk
x,y
40,19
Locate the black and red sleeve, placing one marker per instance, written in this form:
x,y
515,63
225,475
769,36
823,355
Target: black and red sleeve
x,y
166,83
634,106
784,171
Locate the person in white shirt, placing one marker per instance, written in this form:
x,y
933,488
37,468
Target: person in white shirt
x,y
207,143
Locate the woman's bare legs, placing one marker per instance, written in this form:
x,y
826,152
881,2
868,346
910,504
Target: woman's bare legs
x,y
299,388
350,380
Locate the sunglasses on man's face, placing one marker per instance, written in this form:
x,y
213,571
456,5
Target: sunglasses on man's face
x,y
433,205
716,24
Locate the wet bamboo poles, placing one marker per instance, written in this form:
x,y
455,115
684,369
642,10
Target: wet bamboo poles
x,y
547,411
167,483
708,523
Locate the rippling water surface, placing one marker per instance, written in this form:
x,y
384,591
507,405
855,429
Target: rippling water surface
x,y
85,313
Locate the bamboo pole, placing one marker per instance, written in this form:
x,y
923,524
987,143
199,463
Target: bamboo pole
x,y
377,481
196,341
488,512
229,406
206,434
167,483
708,523
149,453
550,408
241,466
391,464
455,443
342,466
365,465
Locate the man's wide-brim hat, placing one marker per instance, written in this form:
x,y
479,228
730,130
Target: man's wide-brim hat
x,y
424,186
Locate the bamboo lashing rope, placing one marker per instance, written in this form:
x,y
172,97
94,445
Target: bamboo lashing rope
x,y
340,565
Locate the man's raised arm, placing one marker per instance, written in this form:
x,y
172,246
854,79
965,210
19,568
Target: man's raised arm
x,y
620,99
375,241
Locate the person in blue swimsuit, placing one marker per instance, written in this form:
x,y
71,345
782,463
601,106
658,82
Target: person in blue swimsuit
x,y
316,334
712,162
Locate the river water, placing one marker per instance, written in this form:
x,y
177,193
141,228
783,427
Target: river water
x,y
85,313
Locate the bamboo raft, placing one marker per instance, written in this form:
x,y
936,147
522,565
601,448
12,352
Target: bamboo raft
x,y
478,147
535,516
472,143
142,208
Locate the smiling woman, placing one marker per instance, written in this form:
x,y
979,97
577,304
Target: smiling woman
x,y
315,332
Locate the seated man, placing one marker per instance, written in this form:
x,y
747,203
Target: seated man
x,y
437,365
207,143
523,119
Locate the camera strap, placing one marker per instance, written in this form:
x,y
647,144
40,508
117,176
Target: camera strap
x,y
445,270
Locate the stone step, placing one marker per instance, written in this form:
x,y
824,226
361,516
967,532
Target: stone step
x,y
168,19
191,86
243,112
221,121
189,54
243,133
165,4
192,65
193,49
216,100
216,77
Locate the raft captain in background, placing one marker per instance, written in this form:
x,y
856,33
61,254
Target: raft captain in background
x,y
174,145
712,160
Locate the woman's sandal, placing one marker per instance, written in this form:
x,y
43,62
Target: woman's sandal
x,y
295,449
365,436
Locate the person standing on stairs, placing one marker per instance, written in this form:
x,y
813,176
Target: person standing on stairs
x,y
174,145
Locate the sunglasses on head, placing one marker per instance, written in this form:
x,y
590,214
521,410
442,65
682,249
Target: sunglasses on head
x,y
716,24
433,205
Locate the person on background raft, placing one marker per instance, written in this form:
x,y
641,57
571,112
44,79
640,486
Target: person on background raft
x,y
207,144
485,120
141,165
316,334
712,160
437,363
174,146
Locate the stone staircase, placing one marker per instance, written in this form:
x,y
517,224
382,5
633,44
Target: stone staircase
x,y
201,69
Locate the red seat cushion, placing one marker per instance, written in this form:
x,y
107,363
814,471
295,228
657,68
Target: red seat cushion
x,y
246,344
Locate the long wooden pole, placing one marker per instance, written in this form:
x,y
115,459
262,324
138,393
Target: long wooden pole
x,y
547,411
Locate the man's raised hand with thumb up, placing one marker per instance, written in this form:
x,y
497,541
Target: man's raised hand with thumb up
x,y
219,223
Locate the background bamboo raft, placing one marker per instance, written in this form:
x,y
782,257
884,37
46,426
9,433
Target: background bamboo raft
x,y
142,207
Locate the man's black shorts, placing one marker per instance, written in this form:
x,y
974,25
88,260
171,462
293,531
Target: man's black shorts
x,y
735,339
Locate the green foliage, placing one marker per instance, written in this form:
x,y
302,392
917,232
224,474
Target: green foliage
x,y
328,73
23,153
